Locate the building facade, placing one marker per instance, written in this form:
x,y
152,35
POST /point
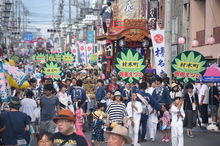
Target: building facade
x,y
204,22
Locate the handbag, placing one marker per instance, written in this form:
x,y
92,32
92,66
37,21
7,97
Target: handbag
x,y
37,112
19,141
103,76
113,124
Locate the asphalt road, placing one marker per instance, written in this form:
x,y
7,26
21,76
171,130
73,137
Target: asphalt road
x,y
202,137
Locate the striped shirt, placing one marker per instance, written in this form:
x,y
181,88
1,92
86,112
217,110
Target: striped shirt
x,y
116,112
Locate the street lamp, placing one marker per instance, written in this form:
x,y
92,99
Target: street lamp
x,y
8,5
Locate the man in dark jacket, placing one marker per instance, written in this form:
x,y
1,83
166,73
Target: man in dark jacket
x,y
100,93
161,93
106,13
146,99
78,92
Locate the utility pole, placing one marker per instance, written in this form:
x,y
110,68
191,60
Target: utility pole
x,y
77,8
167,57
70,25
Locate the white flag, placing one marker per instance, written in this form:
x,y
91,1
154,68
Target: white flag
x,y
159,49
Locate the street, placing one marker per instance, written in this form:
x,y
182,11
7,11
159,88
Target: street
x,y
202,137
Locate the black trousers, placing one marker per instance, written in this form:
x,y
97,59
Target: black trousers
x,y
104,27
204,113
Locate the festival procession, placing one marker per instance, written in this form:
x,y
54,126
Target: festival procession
x,y
109,73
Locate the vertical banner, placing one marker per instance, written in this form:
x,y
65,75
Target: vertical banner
x,y
82,53
5,89
74,50
90,36
159,49
88,52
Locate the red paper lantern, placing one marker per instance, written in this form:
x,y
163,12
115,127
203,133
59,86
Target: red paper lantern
x,y
181,40
195,43
211,40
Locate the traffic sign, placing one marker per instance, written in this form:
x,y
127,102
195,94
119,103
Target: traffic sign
x,y
28,37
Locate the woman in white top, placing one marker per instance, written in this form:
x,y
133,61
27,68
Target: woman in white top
x,y
175,92
63,97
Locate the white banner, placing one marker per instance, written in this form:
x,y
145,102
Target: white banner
x,y
74,50
89,48
59,50
159,49
82,54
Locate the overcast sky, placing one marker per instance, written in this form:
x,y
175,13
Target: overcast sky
x,y
40,11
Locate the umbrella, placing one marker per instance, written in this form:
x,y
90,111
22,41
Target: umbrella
x,y
212,75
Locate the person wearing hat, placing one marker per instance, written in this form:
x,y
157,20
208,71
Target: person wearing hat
x,y
67,135
16,123
118,136
175,92
191,105
98,125
48,103
116,111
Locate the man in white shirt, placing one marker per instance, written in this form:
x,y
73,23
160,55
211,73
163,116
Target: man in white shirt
x,y
28,105
203,102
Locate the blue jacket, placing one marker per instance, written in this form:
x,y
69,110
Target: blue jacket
x,y
163,97
126,93
154,103
78,93
134,89
100,93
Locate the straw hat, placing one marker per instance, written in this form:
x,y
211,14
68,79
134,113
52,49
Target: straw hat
x,y
96,114
174,84
121,131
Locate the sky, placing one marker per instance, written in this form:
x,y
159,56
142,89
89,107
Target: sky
x,y
40,11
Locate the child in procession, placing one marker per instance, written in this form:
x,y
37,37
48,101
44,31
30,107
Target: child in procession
x,y
152,123
80,115
166,124
98,125
178,115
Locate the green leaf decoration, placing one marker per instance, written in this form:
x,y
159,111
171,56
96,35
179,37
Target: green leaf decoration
x,y
67,58
52,70
51,57
58,57
130,65
15,58
188,66
40,56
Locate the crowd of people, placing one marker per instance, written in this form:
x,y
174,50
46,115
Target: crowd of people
x,y
57,112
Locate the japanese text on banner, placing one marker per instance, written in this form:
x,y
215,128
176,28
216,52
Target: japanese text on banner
x,y
159,49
